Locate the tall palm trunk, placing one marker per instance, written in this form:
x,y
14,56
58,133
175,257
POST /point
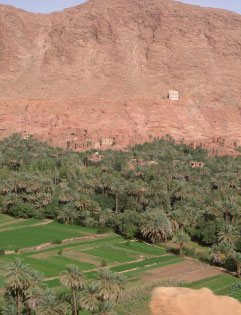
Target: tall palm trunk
x,y
226,216
116,301
238,269
181,250
116,202
19,301
74,303
181,228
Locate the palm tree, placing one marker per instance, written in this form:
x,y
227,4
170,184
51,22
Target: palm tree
x,y
68,214
229,234
90,299
108,285
237,258
34,296
34,293
107,308
10,308
120,279
181,238
105,215
218,253
75,280
18,279
155,225
117,188
50,305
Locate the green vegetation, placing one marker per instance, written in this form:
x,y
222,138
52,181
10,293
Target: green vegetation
x,y
25,294
112,254
36,235
20,224
143,263
220,284
141,248
5,218
149,192
197,246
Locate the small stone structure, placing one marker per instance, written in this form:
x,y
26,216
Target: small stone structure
x,y
25,135
96,157
196,164
173,95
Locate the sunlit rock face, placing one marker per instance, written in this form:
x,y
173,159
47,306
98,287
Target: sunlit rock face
x,y
104,69
183,301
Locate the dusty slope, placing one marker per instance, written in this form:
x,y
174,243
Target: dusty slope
x,y
103,70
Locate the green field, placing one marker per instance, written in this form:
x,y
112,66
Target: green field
x,y
143,263
36,235
142,248
112,254
134,259
5,218
216,283
20,224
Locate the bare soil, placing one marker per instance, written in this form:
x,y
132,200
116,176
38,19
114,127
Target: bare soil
x,y
187,271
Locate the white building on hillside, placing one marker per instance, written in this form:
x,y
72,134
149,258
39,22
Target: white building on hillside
x,y
173,95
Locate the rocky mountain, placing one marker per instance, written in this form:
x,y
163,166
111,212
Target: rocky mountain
x,y
98,75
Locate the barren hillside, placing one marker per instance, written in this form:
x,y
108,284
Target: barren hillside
x,y
102,70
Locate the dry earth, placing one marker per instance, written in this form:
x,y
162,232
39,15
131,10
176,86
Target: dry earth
x,y
187,271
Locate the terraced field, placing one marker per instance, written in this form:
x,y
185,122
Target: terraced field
x,y
144,265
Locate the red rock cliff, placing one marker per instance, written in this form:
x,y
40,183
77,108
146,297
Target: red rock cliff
x,y
102,70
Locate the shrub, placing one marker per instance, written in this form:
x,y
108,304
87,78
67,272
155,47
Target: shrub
x,y
190,252
104,263
16,250
2,251
56,241
60,251
202,256
23,210
230,264
103,230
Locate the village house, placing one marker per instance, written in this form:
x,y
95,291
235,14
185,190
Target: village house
x,y
196,164
173,95
96,157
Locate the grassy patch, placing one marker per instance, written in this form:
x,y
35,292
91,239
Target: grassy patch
x,y
55,265
142,248
52,283
112,254
197,246
143,263
213,283
33,236
5,218
20,224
